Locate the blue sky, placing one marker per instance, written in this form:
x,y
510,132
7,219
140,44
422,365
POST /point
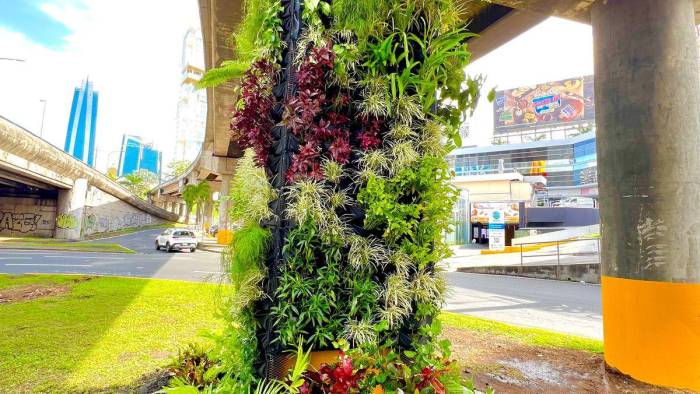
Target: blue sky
x,y
27,17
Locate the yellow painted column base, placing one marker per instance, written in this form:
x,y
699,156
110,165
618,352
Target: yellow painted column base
x,y
652,330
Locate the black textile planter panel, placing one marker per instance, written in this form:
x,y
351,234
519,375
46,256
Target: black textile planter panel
x,y
280,156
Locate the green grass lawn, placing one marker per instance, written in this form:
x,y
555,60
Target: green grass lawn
x,y
528,336
102,336
53,244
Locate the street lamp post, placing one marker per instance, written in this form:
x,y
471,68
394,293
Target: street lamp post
x,y
43,115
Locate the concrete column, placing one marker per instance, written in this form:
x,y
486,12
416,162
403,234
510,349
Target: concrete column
x,y
71,203
647,104
180,211
223,200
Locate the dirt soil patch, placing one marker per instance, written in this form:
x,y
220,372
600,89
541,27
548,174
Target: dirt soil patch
x,y
511,367
31,292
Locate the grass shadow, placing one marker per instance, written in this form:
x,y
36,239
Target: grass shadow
x,y
102,336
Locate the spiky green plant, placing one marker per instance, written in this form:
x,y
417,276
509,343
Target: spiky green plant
x,y
307,201
402,263
429,287
397,298
333,171
360,332
403,155
375,95
401,131
366,253
407,109
339,199
432,139
375,161
250,192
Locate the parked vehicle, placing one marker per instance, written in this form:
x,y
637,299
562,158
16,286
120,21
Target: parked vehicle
x,y
176,239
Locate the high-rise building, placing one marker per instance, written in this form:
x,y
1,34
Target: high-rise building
x,y
80,136
135,156
192,102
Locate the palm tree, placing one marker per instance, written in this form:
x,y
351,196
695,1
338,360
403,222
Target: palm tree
x,y
139,182
197,195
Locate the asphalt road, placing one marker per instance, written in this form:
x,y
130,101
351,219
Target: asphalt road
x,y
567,307
147,263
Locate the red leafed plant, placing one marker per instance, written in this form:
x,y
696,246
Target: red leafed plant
x,y
321,130
430,377
251,124
339,378
369,136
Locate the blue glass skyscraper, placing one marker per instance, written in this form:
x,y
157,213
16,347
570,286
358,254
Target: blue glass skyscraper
x,y
80,137
136,156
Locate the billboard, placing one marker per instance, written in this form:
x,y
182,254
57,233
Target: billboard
x,y
481,211
546,104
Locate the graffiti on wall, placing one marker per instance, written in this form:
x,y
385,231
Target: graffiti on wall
x,y
20,222
100,224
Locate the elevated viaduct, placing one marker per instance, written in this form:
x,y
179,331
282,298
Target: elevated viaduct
x,y
45,192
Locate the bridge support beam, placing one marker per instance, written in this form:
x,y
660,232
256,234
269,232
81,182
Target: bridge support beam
x,y
648,124
71,204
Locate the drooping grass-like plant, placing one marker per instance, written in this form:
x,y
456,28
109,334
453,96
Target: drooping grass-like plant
x,y
307,201
375,95
432,139
402,263
360,332
429,287
333,171
374,161
250,192
403,155
366,253
397,300
401,131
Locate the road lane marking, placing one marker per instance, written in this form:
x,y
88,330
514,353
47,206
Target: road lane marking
x,y
48,265
15,258
208,272
84,257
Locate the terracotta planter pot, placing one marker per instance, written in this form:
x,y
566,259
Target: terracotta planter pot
x,y
285,363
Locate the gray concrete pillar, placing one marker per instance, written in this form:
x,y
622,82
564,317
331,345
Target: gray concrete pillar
x,y
223,200
70,210
647,100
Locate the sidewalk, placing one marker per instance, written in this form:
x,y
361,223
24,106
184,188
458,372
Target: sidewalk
x,y
210,245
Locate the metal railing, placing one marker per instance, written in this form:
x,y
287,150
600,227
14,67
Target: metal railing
x,y
566,252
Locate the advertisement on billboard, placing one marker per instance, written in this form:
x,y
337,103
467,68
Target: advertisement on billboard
x,y
546,104
481,212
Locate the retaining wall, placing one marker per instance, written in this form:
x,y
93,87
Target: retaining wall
x,y
27,217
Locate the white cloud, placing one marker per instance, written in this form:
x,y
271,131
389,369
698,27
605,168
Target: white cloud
x,y
131,49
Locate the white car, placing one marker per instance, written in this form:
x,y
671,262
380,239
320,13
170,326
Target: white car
x,y
176,239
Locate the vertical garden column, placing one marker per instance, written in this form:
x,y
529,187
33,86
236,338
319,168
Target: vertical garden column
x,y
648,125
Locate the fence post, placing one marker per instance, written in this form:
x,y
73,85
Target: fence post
x,y
558,278
521,258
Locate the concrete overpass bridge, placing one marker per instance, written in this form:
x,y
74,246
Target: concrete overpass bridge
x,y
647,86
46,192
